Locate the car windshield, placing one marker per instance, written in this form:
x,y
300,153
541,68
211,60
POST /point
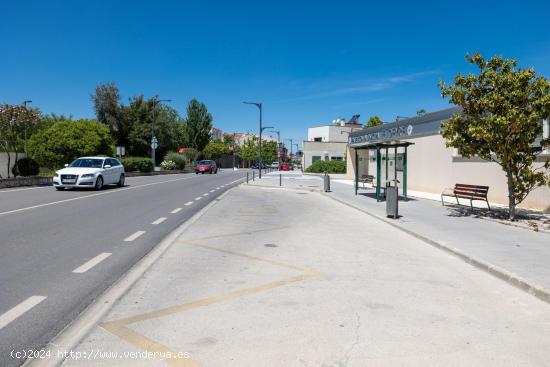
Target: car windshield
x,y
87,162
204,162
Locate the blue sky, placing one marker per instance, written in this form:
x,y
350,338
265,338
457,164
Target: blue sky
x,y
308,61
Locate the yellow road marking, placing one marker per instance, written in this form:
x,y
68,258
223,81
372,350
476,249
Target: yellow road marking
x,y
120,327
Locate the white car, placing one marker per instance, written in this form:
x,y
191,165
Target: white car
x,y
274,164
90,172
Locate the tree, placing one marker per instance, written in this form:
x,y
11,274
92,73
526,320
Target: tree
x,y
249,150
215,149
421,112
374,121
14,119
67,140
502,109
136,121
198,125
269,151
106,104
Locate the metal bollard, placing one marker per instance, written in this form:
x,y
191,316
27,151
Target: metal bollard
x,y
280,180
253,175
247,177
327,182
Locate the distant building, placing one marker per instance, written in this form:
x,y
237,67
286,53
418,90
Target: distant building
x,y
216,134
328,142
241,138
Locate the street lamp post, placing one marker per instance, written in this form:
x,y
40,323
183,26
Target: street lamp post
x,y
154,141
291,145
26,150
278,146
259,105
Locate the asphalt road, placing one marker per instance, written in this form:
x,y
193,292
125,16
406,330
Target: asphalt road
x,y
61,249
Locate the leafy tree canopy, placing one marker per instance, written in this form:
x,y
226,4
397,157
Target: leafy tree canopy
x,y
374,121
67,140
215,149
199,125
502,108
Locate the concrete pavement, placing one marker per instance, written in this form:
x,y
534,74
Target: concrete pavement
x,y
270,277
516,255
61,250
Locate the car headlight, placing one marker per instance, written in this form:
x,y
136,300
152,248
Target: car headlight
x,y
88,175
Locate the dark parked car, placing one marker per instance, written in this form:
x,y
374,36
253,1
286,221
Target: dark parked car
x,y
206,166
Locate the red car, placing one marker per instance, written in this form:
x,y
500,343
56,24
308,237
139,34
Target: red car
x,y
284,167
206,166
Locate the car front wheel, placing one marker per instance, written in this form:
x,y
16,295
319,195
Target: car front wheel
x,y
60,188
121,180
99,183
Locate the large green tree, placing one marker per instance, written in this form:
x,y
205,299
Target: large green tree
x,y
215,149
198,125
67,140
135,123
501,121
106,104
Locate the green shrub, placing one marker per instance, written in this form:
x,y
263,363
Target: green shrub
x,y
327,166
26,167
177,158
138,164
168,165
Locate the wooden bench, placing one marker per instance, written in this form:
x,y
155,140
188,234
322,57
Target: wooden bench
x,y
470,192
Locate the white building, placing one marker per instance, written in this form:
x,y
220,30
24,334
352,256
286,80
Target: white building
x,y
327,142
216,134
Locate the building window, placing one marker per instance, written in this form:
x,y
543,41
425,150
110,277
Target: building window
x,y
336,158
317,139
315,158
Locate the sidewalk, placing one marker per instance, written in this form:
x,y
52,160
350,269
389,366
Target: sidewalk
x,y
517,255
279,277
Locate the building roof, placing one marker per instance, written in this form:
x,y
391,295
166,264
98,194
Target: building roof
x,y
426,124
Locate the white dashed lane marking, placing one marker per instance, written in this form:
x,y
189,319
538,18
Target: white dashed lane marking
x,y
198,198
134,236
19,310
159,221
188,203
93,262
175,210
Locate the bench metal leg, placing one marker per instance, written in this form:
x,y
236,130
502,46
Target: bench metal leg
x,y
488,206
442,202
457,202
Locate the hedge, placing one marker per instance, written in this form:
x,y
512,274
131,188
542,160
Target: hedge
x,y
137,164
26,167
327,166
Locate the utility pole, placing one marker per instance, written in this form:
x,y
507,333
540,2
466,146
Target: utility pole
x,y
278,146
291,145
234,150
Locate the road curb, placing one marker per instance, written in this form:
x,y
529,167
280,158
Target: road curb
x,y
534,289
79,328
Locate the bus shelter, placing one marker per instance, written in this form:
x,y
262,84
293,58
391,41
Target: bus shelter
x,y
383,151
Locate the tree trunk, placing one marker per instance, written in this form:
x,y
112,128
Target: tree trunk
x,y
9,162
511,197
16,159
